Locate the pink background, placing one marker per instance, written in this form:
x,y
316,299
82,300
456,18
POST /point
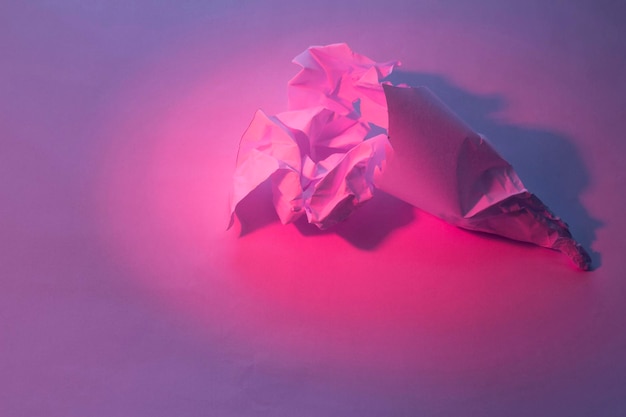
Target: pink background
x,y
121,293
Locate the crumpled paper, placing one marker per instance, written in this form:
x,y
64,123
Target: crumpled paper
x,y
321,156
347,133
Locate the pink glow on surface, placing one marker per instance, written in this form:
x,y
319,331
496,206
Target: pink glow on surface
x,y
123,294
389,286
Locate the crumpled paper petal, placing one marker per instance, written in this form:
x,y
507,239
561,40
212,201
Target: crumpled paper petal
x,y
335,77
319,163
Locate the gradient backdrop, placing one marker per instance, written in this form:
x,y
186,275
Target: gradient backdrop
x,y
122,294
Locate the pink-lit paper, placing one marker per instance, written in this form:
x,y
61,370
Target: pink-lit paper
x,y
445,168
321,156
327,154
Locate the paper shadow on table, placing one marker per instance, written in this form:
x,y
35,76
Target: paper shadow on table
x,y
370,223
366,228
548,163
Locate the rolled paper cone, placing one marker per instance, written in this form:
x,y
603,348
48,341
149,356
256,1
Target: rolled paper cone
x,y
440,165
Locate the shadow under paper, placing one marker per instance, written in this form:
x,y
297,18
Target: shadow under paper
x,y
365,228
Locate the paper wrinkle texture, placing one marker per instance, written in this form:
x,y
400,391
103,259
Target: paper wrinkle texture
x,y
346,133
321,155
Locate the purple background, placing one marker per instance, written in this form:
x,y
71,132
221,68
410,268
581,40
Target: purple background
x,y
121,293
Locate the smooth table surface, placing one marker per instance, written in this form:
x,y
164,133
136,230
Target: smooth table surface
x,y
122,293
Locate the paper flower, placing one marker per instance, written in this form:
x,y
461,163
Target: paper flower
x,y
326,155
323,154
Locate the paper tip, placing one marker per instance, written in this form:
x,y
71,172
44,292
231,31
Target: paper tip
x,y
575,252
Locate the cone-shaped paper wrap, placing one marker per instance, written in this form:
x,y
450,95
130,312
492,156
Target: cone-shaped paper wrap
x,y
445,168
325,156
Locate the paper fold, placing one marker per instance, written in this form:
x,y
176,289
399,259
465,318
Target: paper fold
x,y
445,168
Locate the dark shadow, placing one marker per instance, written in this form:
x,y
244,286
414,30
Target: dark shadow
x,y
369,224
256,210
365,228
548,164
